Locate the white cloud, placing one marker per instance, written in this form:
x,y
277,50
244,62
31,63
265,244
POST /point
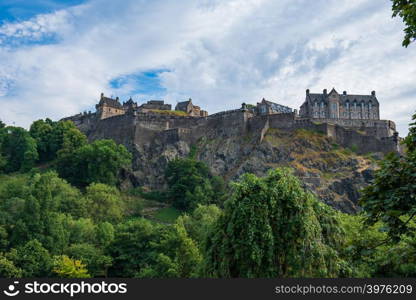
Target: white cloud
x,y
220,53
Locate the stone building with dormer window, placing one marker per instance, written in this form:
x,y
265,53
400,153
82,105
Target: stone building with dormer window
x,y
337,106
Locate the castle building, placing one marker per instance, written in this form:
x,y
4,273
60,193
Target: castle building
x,y
333,105
191,109
154,105
267,107
108,107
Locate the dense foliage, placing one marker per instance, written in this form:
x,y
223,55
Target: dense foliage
x,y
191,183
62,214
18,150
270,228
99,161
406,9
392,197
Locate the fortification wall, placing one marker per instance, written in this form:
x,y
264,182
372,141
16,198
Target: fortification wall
x,y
377,128
84,121
138,128
120,128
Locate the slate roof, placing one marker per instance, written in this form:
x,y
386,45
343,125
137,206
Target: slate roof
x,y
277,107
351,98
110,102
182,105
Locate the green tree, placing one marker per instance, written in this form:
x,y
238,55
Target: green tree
x,y
52,137
39,207
96,262
191,183
133,247
98,162
175,255
199,223
406,9
104,234
2,125
66,267
104,203
18,149
82,230
32,259
270,229
8,269
392,196
41,131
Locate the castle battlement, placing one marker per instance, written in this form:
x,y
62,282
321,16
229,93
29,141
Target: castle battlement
x,y
338,116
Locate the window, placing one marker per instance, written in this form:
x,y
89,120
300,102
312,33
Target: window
x,y
355,105
322,104
370,105
315,104
347,105
323,114
316,114
334,106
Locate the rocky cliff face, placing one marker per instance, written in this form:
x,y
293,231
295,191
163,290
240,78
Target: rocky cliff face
x,y
236,142
334,174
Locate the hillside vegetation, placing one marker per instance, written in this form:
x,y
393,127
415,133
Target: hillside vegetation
x,y
63,214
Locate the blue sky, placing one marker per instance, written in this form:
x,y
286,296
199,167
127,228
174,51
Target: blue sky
x,y
20,10
56,57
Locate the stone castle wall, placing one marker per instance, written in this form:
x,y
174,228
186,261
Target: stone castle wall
x,y
140,129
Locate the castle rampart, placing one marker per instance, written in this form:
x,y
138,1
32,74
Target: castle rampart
x,y
137,127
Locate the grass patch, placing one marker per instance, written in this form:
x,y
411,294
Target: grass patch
x,y
354,148
193,152
167,214
170,112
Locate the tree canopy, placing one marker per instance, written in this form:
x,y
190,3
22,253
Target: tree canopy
x,y
270,229
18,150
191,183
98,162
392,196
406,9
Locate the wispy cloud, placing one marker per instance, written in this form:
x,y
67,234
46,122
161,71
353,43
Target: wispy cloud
x,y
220,53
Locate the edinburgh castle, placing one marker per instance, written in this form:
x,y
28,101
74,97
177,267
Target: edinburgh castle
x,y
351,120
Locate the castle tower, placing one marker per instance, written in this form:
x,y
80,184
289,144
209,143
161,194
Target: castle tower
x,y
108,107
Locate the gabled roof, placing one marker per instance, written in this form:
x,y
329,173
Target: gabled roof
x,y
129,102
312,97
183,105
276,106
110,102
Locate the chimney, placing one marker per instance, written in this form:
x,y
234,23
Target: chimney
x,y
373,93
116,98
102,95
307,92
344,92
324,91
